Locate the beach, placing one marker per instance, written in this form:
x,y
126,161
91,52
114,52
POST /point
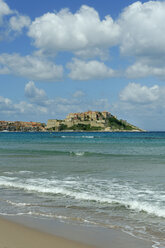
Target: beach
x,y
99,189
31,234
14,235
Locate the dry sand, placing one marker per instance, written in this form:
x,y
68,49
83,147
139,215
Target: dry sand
x,y
13,235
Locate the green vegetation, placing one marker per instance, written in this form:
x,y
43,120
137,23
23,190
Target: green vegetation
x,y
112,122
116,124
63,127
79,127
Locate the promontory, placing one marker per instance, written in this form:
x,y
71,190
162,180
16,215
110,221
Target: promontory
x,y
90,121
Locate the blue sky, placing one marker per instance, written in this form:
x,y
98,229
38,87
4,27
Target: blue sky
x,y
73,56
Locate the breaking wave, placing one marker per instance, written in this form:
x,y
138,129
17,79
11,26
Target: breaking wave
x,y
117,196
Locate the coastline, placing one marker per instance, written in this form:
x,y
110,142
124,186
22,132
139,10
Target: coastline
x,y
29,232
13,234
79,131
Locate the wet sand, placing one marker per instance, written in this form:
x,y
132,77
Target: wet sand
x,y
14,235
25,232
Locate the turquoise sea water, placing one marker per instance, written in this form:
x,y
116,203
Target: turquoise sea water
x,y
112,180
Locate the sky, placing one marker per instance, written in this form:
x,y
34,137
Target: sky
x,y
58,57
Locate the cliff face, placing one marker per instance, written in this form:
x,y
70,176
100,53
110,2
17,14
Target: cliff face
x,y
91,121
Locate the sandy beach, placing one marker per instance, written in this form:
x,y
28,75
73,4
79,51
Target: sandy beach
x,y
14,235
28,233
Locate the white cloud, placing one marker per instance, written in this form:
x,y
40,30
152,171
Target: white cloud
x,y
11,22
93,52
18,22
4,10
82,70
87,35
64,31
24,108
142,29
143,37
4,70
139,69
78,94
62,106
101,104
141,105
32,67
138,31
144,67
5,104
135,93
10,110
35,94
40,106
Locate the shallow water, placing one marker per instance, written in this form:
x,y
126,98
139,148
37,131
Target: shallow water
x,y
113,180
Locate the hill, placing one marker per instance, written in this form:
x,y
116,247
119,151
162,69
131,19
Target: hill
x,y
90,121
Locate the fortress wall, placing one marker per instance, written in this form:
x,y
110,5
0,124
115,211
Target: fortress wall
x,y
53,123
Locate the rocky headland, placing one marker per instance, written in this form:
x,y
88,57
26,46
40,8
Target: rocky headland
x,y
91,121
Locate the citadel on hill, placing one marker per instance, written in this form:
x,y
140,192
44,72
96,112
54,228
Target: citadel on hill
x,y
90,121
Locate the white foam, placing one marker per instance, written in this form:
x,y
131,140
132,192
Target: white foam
x,y
25,172
78,137
8,172
147,207
18,204
79,153
17,172
92,190
88,137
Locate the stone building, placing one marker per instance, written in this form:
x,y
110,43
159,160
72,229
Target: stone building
x,y
93,118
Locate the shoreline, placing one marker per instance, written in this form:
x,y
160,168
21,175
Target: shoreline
x,y
30,232
80,131
13,234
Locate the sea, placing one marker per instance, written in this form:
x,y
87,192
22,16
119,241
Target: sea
x,y
110,180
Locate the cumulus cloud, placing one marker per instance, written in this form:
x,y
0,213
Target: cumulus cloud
x,y
144,67
82,70
143,37
39,105
93,52
144,106
35,94
11,22
142,29
4,10
138,32
8,108
11,110
65,31
32,67
24,108
18,22
5,104
136,93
